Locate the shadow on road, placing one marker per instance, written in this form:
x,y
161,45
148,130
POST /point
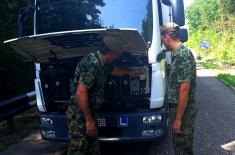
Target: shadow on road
x,y
215,120
134,148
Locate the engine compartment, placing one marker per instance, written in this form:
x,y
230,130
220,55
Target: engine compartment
x,y
123,93
127,93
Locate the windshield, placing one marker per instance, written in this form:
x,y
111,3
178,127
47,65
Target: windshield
x,y
64,15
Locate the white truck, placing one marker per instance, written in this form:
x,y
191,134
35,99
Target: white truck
x,y
134,109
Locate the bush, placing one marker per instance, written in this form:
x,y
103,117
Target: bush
x,y
208,65
16,75
229,79
222,45
23,125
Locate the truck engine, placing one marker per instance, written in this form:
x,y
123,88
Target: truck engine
x,y
125,92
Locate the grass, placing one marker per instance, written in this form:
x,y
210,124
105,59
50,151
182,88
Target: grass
x,y
23,125
214,64
227,79
211,65
208,65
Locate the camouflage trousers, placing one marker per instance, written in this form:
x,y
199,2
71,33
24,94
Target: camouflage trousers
x,y
79,143
183,142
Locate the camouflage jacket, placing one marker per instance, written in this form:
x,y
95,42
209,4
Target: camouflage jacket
x,y
91,72
183,68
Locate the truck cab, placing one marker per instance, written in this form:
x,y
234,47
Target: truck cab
x,y
133,109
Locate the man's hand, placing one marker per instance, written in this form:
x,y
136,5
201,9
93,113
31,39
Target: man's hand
x,y
82,95
182,103
176,126
91,129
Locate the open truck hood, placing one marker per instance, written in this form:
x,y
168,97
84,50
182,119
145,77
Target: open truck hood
x,y
44,47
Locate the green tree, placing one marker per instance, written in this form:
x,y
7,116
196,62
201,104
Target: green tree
x,y
147,23
9,16
213,20
16,76
202,13
63,15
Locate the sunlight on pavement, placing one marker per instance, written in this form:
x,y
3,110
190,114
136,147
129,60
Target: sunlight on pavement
x,y
229,146
205,72
34,136
202,72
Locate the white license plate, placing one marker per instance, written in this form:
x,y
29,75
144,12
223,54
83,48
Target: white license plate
x,y
101,122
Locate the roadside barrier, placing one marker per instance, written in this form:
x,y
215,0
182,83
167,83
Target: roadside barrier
x,y
16,105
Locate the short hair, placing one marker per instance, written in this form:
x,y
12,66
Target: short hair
x,y
170,29
103,48
110,44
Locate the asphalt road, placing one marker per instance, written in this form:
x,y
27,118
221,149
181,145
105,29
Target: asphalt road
x,y
214,128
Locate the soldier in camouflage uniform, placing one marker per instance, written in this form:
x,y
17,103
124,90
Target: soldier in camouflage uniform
x,y
181,90
87,95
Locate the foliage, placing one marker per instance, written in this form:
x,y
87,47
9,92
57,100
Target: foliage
x,y
202,13
228,79
9,16
53,15
208,65
213,21
16,75
23,125
147,23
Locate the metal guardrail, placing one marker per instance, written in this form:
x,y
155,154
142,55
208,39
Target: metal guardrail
x,y
16,105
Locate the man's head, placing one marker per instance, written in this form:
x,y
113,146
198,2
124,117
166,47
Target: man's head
x,y
108,54
170,35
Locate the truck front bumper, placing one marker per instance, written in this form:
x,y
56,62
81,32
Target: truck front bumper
x,y
111,129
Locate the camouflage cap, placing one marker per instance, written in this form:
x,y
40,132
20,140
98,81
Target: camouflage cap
x,y
169,28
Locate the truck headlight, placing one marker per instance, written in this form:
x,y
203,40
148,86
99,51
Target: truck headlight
x,y
48,133
152,119
46,121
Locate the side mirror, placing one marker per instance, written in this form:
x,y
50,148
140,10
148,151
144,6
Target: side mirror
x,y
178,12
161,55
166,2
148,44
183,35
